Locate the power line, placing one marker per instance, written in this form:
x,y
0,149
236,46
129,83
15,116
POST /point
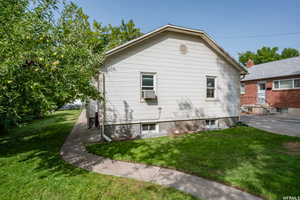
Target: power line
x,y
257,36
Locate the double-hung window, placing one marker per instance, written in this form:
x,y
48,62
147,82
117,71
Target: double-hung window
x,y
210,87
286,84
148,83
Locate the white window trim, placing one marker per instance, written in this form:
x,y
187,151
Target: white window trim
x,y
150,132
215,88
141,83
293,81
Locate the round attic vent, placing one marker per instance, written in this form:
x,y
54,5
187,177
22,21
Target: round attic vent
x,y
183,49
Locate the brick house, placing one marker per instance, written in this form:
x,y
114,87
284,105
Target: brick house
x,y
273,86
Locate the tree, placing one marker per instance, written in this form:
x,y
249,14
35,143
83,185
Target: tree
x,y
267,54
113,36
25,41
244,57
47,62
289,53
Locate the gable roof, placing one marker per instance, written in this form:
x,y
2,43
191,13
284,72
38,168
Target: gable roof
x,y
280,68
179,29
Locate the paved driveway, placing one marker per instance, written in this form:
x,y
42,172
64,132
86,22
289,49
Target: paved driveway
x,y
282,124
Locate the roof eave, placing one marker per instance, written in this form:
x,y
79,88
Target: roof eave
x,y
271,77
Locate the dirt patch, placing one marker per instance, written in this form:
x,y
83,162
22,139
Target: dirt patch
x,y
293,148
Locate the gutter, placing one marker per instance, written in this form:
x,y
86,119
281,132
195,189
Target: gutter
x,y
273,77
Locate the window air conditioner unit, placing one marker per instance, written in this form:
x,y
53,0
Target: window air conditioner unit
x,y
149,94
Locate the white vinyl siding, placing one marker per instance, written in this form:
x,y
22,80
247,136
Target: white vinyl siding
x,y
180,82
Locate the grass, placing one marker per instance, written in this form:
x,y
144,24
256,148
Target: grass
x,y
31,168
243,157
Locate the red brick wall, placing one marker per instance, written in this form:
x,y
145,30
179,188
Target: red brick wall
x,y
250,93
275,98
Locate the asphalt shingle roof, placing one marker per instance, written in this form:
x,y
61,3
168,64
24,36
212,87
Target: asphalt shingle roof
x,y
286,67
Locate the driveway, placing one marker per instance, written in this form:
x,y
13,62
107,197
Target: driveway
x,y
280,123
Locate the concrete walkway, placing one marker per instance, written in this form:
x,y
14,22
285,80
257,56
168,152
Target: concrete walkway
x,y
73,151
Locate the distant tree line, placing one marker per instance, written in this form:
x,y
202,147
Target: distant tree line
x,y
267,54
47,60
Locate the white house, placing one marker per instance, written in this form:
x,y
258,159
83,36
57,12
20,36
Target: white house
x,y
170,80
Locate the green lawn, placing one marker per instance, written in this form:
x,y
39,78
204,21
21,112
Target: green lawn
x,y
244,157
31,168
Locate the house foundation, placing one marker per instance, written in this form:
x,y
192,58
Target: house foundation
x,y
134,130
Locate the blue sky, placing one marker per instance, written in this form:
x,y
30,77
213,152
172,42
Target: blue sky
x,y
229,22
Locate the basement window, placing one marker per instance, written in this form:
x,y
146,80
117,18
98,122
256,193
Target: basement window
x,y
149,128
282,110
211,124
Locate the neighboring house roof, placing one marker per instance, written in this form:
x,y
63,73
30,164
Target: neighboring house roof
x,y
178,29
280,68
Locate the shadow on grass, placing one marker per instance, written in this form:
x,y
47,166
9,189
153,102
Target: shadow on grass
x,y
244,157
40,142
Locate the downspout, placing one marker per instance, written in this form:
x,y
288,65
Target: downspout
x,y
98,103
242,76
107,138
